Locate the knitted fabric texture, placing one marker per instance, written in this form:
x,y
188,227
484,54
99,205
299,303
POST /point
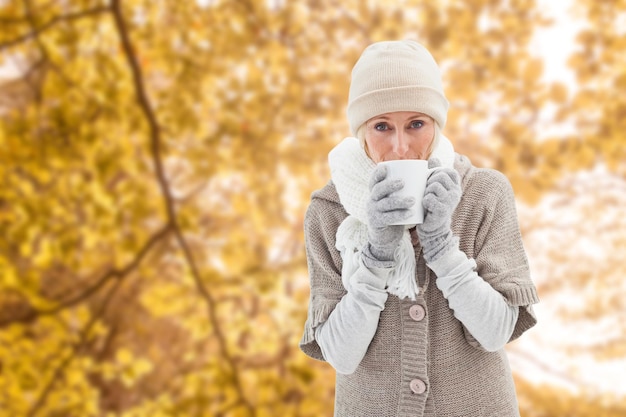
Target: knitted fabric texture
x,y
461,378
351,170
395,76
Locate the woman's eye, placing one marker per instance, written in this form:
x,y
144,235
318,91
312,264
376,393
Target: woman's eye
x,y
416,124
381,127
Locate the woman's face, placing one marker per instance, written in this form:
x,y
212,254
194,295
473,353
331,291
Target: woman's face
x,y
399,135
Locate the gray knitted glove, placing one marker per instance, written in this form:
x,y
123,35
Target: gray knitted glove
x,y
442,195
382,210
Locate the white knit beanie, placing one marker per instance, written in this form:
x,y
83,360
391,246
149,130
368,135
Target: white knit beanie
x,y
395,76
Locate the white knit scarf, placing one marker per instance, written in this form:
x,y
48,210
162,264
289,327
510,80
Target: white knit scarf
x,y
350,169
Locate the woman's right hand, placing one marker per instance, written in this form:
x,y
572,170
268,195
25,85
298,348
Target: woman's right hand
x,y
383,209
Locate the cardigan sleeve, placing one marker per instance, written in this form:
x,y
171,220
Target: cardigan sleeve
x,y
499,252
324,266
341,323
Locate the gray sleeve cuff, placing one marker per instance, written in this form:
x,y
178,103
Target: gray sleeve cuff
x,y
483,311
346,335
450,260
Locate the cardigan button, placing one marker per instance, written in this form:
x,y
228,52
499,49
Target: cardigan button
x,y
417,312
418,386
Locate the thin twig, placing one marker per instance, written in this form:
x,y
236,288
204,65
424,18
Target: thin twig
x,y
118,274
155,146
52,22
12,20
65,363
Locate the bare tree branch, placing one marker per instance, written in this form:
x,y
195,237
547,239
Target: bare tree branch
x,y
37,87
12,20
77,348
52,22
118,274
155,146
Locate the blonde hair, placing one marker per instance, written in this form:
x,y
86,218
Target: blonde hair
x,y
435,141
360,134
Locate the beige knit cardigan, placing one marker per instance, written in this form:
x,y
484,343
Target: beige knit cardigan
x,y
462,379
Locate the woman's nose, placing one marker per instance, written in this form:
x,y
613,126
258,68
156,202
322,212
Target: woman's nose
x,y
400,142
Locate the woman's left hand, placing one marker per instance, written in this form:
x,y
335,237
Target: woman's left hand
x,y
442,195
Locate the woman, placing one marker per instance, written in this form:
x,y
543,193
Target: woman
x,y
414,320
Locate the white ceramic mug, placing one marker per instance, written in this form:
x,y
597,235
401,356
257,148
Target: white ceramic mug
x,y
414,173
